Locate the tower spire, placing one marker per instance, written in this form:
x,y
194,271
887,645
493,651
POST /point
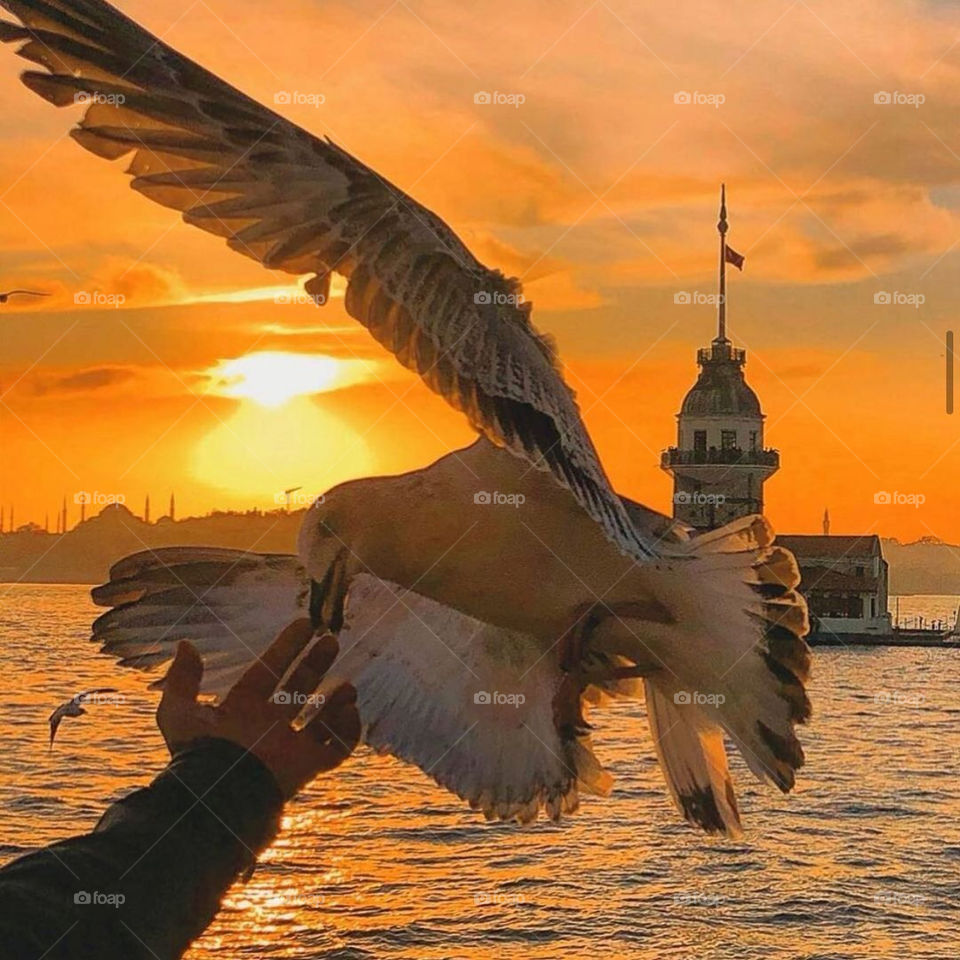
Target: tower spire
x,y
722,230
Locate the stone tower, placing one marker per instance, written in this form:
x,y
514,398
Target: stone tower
x,y
719,464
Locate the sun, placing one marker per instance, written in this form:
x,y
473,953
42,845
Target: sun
x,y
272,377
262,450
282,433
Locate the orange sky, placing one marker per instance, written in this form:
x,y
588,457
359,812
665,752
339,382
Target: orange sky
x,y
599,191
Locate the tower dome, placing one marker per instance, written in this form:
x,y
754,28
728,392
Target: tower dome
x,y
721,389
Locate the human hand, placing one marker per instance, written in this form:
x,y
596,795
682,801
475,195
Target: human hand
x,y
256,719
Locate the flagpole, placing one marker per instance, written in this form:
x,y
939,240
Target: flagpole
x,y
722,228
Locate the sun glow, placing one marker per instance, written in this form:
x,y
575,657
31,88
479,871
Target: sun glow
x,y
263,450
272,378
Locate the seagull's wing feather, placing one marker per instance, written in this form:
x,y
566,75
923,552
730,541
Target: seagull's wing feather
x,y
229,603
417,667
301,204
477,708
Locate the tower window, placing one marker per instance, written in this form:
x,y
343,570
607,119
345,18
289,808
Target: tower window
x,y
753,439
700,440
728,439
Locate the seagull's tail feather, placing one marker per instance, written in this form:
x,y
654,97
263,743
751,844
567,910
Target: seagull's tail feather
x,y
229,603
734,663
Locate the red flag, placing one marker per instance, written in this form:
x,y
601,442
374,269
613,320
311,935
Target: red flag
x,y
731,256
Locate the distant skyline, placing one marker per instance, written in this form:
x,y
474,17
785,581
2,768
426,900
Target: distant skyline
x,y
833,126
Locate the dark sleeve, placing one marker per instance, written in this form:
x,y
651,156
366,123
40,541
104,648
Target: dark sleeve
x,y
150,877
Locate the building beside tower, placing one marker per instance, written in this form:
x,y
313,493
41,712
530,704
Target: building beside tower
x,y
719,467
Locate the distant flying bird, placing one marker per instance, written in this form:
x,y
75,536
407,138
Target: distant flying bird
x,y
4,297
73,708
481,605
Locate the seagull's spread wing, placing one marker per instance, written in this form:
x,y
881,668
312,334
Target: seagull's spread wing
x,y
58,715
301,204
481,710
229,603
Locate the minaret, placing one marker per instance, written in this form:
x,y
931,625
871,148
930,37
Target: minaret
x,y
64,511
146,509
46,522
173,508
826,521
719,464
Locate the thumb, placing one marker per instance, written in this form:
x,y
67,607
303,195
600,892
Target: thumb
x,y
182,681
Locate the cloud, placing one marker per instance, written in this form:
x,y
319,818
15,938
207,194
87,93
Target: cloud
x,y
81,381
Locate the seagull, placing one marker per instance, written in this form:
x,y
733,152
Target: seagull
x,y
4,297
486,603
73,708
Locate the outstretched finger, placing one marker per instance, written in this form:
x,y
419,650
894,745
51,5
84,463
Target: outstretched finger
x,y
336,729
262,677
182,681
310,670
